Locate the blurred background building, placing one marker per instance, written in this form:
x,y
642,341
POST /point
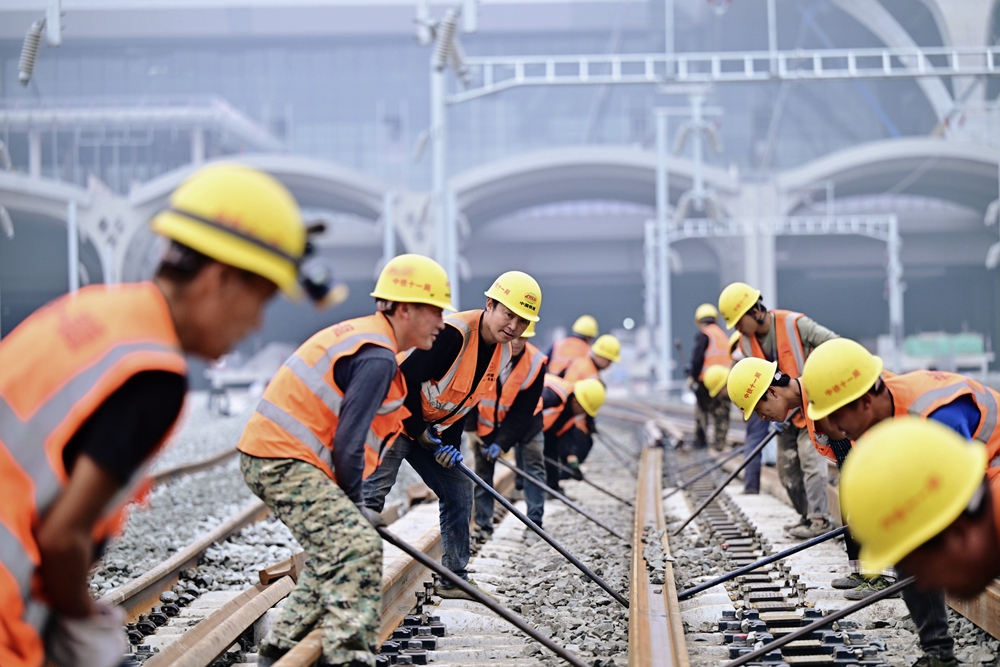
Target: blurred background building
x,y
334,98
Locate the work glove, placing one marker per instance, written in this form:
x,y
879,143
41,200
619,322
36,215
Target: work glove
x,y
447,456
492,452
428,440
574,466
94,641
374,518
475,442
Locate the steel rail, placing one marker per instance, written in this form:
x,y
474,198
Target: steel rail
x,y
143,593
656,633
172,473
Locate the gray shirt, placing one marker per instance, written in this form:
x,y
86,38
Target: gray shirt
x,y
365,378
811,333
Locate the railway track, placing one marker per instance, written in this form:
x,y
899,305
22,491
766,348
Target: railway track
x,y
221,629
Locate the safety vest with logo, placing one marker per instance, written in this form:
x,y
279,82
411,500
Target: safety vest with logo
x,y
919,393
447,400
565,352
717,352
582,369
820,440
59,366
298,414
513,381
791,355
563,389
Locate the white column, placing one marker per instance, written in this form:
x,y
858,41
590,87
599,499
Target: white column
x,y
772,36
35,154
895,279
438,168
197,146
73,246
388,227
663,245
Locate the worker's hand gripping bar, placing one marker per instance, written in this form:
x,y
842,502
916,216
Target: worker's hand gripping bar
x,y
542,534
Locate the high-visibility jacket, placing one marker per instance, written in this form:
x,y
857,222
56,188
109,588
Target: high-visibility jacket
x,y
563,389
791,355
582,369
298,414
493,409
565,352
59,366
449,399
820,440
717,352
919,393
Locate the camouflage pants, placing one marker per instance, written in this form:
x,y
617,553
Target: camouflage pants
x,y
340,586
715,411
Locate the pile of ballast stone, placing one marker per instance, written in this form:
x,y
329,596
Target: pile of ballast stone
x,y
175,515
202,433
550,593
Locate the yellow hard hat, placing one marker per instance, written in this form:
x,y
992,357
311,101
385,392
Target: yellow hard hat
x,y
529,332
590,394
837,372
705,311
414,279
735,301
748,381
585,325
906,481
715,379
519,292
608,347
734,340
238,216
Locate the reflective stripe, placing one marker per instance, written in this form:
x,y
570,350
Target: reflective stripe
x,y
390,406
536,363
36,615
25,440
792,332
296,429
985,400
746,346
432,391
312,378
16,560
346,344
995,461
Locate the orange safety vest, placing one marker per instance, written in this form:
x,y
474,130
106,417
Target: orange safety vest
x,y
791,353
919,393
820,440
512,382
717,353
59,366
565,352
449,399
582,369
298,414
563,389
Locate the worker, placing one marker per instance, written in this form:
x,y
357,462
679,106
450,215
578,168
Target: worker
x,y
787,338
915,495
443,385
320,428
504,421
575,346
758,387
565,409
605,351
711,350
94,382
847,385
